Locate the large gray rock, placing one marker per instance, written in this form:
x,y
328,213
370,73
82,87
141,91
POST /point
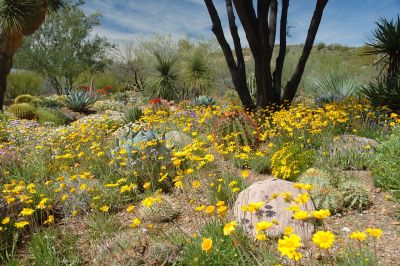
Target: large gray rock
x,y
273,208
178,138
351,142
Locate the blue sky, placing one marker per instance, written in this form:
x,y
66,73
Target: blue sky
x,y
348,22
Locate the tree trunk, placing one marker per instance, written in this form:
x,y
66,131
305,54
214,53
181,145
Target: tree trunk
x,y
5,67
293,83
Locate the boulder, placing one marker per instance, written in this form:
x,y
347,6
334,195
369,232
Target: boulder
x,y
274,209
178,138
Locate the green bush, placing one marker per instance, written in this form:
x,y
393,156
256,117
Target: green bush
x,y
385,165
25,82
51,115
384,92
22,110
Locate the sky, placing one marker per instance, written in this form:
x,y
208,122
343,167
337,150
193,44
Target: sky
x,y
348,22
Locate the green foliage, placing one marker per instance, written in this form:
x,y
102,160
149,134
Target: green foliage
x,y
43,250
24,82
48,102
260,163
79,101
333,87
24,98
165,81
227,188
355,196
62,49
51,115
196,72
344,153
226,250
291,160
384,92
101,225
323,193
109,105
22,110
203,100
132,115
386,42
236,127
385,166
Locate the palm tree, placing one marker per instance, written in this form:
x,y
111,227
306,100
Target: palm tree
x,y
386,42
18,19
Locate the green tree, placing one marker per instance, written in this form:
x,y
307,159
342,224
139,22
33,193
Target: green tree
x,y
63,49
18,19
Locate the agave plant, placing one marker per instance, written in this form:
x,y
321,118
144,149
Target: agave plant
x,y
386,42
132,115
333,87
79,101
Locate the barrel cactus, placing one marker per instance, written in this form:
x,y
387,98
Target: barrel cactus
x,y
236,128
22,110
24,98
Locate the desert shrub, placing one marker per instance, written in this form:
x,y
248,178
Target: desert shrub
x,y
22,110
260,162
227,187
49,102
384,163
51,115
25,82
384,92
79,101
109,105
226,250
291,160
50,247
344,153
24,98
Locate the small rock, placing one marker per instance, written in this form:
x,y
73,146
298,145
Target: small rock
x,y
395,223
365,212
346,229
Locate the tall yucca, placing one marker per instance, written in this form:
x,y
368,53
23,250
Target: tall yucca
x,y
19,18
165,80
386,42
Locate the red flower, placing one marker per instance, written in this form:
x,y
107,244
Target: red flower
x,y
155,100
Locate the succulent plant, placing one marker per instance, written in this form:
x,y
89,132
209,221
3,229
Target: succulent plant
x,y
324,195
355,196
132,115
24,98
204,100
79,101
22,110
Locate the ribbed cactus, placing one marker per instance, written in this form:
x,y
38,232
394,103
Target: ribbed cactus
x,y
22,111
252,85
24,98
237,127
